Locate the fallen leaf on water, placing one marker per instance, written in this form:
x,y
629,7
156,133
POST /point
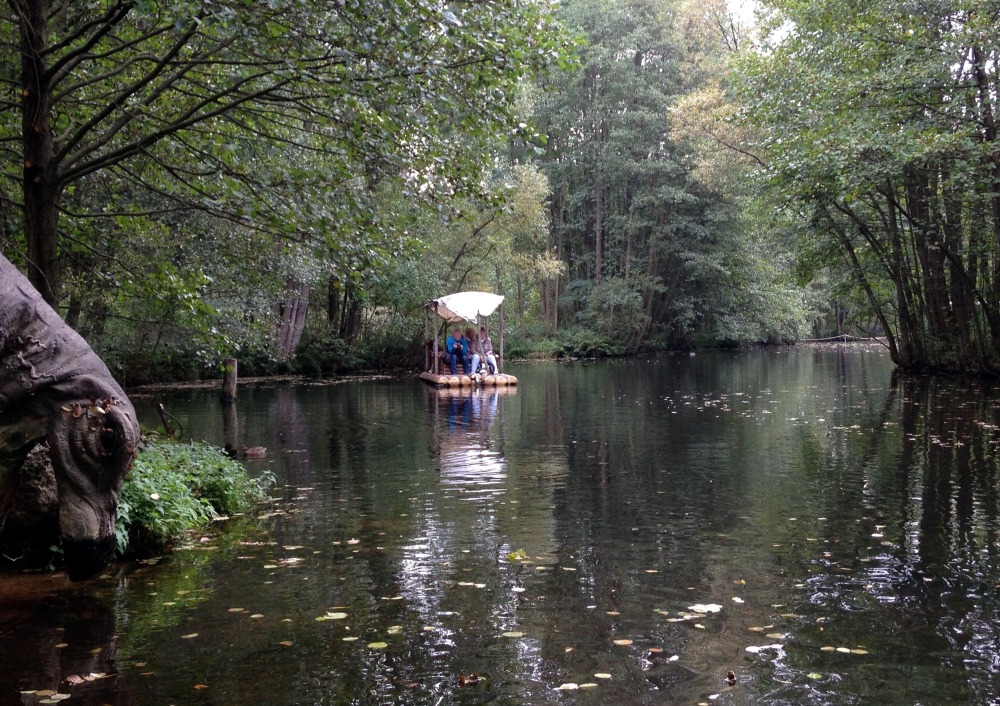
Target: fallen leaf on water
x,y
775,636
602,675
236,610
518,589
623,643
737,599
828,648
705,607
46,692
568,686
513,633
199,687
846,650
61,645
189,636
814,675
613,612
349,638
378,645
286,643
354,541
257,615
859,651
74,679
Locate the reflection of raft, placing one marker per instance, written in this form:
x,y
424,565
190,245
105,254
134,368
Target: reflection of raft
x,y
500,380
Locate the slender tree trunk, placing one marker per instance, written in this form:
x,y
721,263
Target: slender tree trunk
x,y
40,179
333,303
598,204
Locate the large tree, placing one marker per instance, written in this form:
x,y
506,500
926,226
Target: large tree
x,y
653,248
231,106
877,123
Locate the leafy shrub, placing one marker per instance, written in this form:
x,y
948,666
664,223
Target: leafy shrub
x,y
173,488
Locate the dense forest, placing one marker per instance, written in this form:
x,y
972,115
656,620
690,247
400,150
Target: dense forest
x,y
289,182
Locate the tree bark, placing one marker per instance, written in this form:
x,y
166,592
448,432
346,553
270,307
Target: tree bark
x,y
40,182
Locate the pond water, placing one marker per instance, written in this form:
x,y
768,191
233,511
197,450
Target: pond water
x,y
641,529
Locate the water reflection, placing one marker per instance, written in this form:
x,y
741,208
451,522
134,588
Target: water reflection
x,y
469,459
845,525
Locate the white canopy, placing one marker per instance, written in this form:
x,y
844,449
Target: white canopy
x,y
465,306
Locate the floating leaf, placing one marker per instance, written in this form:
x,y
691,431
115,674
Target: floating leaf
x,y
513,633
189,636
378,645
349,638
828,648
814,675
775,636
568,686
286,643
602,675
705,607
623,643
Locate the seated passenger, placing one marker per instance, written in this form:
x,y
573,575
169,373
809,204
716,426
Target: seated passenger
x,y
475,351
455,350
486,348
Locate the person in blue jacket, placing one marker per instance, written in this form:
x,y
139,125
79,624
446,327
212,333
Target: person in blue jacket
x,y
456,348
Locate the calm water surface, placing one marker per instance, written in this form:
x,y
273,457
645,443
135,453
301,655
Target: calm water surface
x,y
637,529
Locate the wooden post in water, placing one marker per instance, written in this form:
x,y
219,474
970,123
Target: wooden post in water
x,y
230,429
229,381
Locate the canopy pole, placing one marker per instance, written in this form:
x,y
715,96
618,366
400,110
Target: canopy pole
x,y
499,362
437,357
427,343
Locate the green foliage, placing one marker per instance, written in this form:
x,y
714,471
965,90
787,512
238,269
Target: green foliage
x,y
875,126
173,488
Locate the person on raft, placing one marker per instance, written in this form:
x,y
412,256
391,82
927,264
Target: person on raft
x,y
486,346
456,349
482,351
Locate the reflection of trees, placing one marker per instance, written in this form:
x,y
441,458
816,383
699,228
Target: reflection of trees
x,y
915,562
47,636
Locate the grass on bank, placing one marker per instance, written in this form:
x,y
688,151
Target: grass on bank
x,y
177,487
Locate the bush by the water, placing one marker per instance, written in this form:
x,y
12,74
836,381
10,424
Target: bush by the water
x,y
175,487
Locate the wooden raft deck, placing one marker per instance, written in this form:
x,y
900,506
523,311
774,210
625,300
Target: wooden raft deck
x,y
500,380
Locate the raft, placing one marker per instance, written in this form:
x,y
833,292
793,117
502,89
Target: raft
x,y
499,380
454,309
